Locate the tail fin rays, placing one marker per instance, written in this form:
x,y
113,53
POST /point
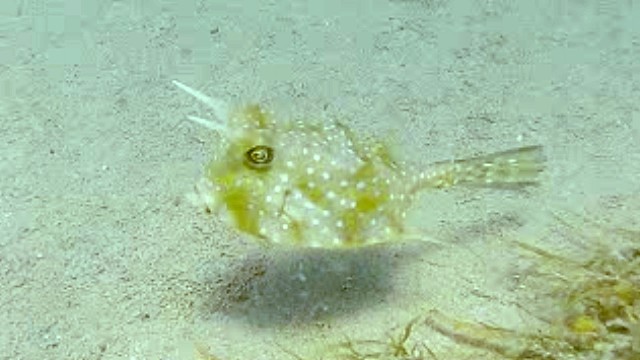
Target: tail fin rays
x,y
510,168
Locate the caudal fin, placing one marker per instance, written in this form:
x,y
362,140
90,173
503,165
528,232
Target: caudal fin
x,y
510,168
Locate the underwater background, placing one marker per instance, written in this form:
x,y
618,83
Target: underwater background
x,y
103,257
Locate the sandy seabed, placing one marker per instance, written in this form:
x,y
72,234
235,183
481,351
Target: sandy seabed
x,y
102,258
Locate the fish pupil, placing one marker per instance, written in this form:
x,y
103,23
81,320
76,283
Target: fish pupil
x,y
259,157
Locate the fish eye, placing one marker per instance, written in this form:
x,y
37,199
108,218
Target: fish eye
x,y
259,157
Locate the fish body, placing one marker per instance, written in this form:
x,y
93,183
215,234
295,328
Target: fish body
x,y
315,184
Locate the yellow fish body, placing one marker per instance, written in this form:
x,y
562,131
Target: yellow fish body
x,y
315,185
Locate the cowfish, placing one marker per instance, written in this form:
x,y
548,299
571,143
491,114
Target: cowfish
x,y
316,184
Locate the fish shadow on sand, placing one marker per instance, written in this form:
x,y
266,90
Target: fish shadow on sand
x,y
299,286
